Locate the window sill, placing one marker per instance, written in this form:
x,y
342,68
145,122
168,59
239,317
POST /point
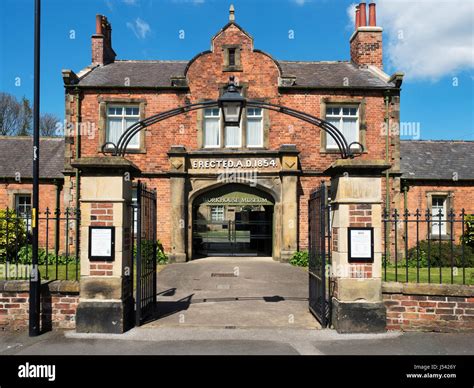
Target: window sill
x,y
437,237
129,151
228,69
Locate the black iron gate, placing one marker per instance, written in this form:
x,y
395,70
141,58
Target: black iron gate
x,y
145,249
319,254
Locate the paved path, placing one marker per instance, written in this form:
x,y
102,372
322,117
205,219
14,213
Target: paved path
x,y
200,341
233,292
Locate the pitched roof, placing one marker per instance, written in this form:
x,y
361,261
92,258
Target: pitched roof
x,y
155,74
138,73
16,157
430,159
332,75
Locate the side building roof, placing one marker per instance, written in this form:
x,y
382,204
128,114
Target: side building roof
x,y
438,160
16,157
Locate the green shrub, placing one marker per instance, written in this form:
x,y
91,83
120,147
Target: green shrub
x,y
13,234
25,254
437,259
469,232
147,251
300,259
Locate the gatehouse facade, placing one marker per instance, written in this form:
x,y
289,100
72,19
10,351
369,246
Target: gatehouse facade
x,y
245,189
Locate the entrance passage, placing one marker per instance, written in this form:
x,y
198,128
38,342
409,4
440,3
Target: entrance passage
x,y
234,220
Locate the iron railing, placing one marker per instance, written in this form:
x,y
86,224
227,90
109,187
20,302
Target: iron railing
x,y
423,247
58,244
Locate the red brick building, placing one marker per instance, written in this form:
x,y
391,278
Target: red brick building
x,y
206,205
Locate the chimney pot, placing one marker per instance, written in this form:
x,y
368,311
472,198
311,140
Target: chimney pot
x,y
357,18
372,15
362,15
98,24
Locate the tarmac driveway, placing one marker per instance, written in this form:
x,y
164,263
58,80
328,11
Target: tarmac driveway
x,y
245,292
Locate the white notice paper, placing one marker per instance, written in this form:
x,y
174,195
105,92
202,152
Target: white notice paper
x,y
361,244
101,242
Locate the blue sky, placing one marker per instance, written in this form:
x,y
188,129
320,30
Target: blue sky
x,y
438,92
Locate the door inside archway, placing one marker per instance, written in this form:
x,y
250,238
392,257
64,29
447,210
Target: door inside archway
x,y
233,220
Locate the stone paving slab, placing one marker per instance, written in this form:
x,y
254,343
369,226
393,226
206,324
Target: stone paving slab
x,y
233,292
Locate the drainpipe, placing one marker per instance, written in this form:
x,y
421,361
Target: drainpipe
x,y
405,196
78,145
387,174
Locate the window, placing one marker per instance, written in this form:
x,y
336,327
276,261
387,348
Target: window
x,y
212,128
346,119
232,57
217,213
23,208
438,215
254,127
119,118
233,136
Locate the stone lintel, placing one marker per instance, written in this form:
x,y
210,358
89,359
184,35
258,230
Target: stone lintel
x,y
357,167
110,165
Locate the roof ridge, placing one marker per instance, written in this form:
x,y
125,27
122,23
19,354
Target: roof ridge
x,y
312,62
152,60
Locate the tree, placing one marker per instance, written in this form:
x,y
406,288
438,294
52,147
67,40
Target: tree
x,y
48,125
9,114
25,118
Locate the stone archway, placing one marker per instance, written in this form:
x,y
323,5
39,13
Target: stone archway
x,y
266,191
233,219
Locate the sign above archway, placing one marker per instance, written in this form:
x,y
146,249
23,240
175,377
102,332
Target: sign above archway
x,y
235,195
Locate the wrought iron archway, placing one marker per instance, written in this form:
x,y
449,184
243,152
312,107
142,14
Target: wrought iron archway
x,y
345,149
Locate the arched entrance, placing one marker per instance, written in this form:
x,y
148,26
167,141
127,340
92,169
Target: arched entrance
x,y
233,220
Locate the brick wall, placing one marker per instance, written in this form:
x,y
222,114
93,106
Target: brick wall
x,y
366,48
429,307
59,300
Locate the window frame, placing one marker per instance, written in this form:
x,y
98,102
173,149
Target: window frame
x,y
123,117
243,128
435,221
341,117
211,214
262,135
204,117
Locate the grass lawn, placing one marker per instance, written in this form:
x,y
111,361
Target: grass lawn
x,y
50,274
423,275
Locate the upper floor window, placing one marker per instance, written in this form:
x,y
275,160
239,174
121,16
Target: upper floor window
x,y
346,119
254,127
212,128
232,57
215,135
119,118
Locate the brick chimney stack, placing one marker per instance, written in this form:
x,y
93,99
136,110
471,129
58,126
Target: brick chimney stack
x,y
102,51
366,41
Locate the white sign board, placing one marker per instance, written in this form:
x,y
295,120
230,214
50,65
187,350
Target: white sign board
x,y
360,244
101,243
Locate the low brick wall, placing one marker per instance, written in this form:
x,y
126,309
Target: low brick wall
x,y
59,300
429,307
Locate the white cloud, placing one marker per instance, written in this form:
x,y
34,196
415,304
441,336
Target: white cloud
x,y
428,39
300,2
130,2
140,28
